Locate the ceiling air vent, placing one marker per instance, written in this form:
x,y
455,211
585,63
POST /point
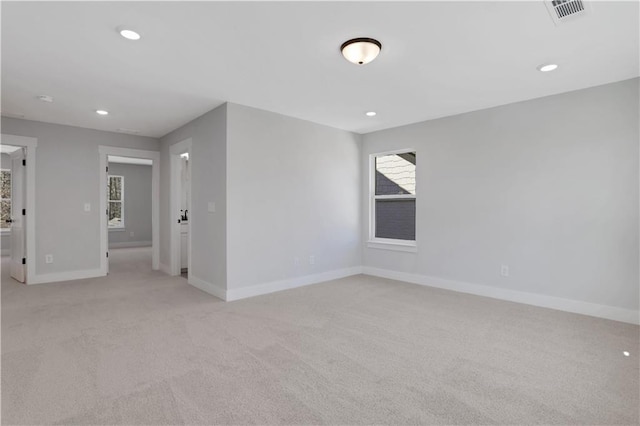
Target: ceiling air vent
x,y
563,10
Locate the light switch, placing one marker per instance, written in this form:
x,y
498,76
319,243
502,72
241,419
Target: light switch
x,y
87,207
211,207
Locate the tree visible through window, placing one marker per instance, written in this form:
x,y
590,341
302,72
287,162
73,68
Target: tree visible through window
x,y
5,190
116,197
394,198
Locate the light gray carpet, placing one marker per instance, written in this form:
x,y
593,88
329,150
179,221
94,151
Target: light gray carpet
x,y
139,347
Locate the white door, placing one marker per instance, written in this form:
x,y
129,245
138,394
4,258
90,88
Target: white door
x,y
107,213
18,219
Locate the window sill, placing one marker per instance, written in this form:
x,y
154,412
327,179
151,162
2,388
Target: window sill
x,y
5,231
117,228
408,246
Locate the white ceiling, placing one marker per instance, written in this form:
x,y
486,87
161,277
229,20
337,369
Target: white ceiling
x,y
129,160
437,59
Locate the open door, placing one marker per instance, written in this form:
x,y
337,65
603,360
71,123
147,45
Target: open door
x,y
18,253
107,189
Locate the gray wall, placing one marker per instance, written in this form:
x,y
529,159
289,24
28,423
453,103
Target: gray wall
x,y
293,192
5,240
137,206
67,177
208,183
548,187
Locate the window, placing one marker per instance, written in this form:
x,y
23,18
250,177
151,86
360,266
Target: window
x,y
5,190
393,204
116,197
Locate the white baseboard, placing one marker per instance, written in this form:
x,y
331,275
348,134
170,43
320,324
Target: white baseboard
x,y
165,268
127,244
271,287
558,303
208,287
65,276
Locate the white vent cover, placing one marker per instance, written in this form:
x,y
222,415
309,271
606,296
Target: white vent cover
x,y
564,10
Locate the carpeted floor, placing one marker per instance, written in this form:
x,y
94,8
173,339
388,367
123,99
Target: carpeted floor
x,y
139,347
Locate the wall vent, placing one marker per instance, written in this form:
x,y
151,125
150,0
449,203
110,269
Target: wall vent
x,y
563,10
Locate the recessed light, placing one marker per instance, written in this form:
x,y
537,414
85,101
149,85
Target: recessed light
x,y
102,112
45,98
547,67
361,51
625,353
129,34
370,114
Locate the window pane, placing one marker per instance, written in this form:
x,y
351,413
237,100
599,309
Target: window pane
x,y
396,219
5,207
115,213
5,184
115,188
396,174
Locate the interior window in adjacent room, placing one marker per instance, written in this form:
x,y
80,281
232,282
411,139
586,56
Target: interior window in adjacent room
x,y
116,201
5,190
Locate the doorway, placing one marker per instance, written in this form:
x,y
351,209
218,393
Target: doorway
x,y
180,205
13,206
18,207
129,223
114,212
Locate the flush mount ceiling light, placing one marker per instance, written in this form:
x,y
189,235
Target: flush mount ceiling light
x,y
361,51
102,112
547,67
128,34
45,98
370,114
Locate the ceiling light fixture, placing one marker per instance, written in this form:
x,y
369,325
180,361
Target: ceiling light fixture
x,y
361,51
102,112
547,67
129,34
625,353
370,114
45,98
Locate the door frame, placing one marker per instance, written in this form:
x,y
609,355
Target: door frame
x,y
104,151
174,205
30,145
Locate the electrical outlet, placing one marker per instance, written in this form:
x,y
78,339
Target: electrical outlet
x,y
504,270
48,258
87,207
131,234
312,260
